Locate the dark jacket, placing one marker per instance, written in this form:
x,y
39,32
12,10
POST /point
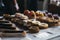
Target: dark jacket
x,y
32,4
21,5
9,6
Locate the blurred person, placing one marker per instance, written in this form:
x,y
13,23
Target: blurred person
x,y
1,7
11,6
32,5
21,5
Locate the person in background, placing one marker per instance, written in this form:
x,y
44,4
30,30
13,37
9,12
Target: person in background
x,y
32,5
1,7
21,5
11,6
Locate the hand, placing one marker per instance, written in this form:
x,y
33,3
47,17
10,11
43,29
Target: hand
x,y
16,6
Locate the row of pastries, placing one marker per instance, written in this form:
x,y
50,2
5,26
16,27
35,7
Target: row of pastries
x,y
45,17
8,28
33,21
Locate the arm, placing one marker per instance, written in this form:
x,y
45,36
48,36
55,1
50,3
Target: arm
x,y
16,5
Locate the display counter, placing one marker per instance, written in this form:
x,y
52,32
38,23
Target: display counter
x,y
31,25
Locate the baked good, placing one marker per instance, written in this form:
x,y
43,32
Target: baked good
x,y
39,24
43,25
21,16
38,13
7,16
32,26
56,17
54,20
4,21
13,33
6,26
14,19
26,12
49,19
30,14
34,29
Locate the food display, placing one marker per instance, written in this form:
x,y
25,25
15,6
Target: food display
x,y
7,28
49,18
28,22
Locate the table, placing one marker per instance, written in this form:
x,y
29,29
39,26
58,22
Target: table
x,y
52,33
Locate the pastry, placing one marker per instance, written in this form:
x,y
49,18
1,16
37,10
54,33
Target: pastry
x,y
21,16
56,17
31,14
43,25
42,19
32,26
4,21
14,19
39,24
34,29
7,16
26,12
50,15
6,26
38,13
13,34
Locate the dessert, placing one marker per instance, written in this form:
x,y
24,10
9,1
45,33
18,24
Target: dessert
x,y
7,16
21,16
38,13
31,14
27,12
7,26
34,29
43,25
13,34
4,21
51,20
14,19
